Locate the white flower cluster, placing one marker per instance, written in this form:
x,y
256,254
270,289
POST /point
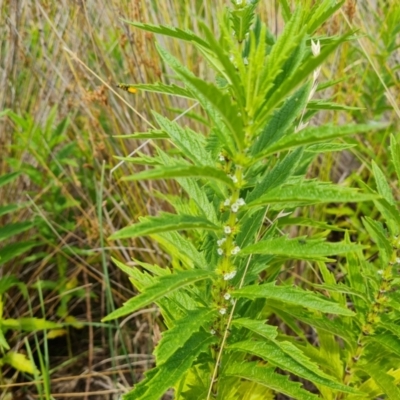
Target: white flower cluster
x,y
237,204
229,275
235,250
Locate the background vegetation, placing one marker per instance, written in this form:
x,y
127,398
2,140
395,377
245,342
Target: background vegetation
x,y
60,192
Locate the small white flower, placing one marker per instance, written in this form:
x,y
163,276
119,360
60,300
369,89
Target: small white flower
x,y
220,242
380,272
241,202
227,230
235,207
227,202
221,157
233,177
212,332
315,47
229,275
220,252
222,311
235,250
227,296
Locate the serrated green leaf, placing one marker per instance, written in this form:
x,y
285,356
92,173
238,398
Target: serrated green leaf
x,y
15,249
329,147
14,229
175,337
278,175
388,341
177,33
168,374
266,376
198,194
183,171
378,235
190,143
242,18
382,184
302,249
259,327
9,208
224,113
281,120
321,12
164,286
164,223
341,288
395,152
7,178
292,295
298,76
286,356
329,105
183,249
286,12
160,87
308,222
314,135
382,379
334,326
311,192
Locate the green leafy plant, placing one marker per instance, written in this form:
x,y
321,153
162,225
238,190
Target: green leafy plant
x,y
230,258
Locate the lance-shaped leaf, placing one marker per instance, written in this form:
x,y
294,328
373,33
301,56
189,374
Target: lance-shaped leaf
x,y
311,192
325,323
301,248
382,184
183,171
151,134
292,295
189,142
289,358
281,120
266,376
278,175
165,376
321,12
218,57
385,382
165,285
160,87
8,177
314,135
297,77
224,113
328,105
164,223
379,236
388,341
395,151
259,327
177,33
14,229
183,329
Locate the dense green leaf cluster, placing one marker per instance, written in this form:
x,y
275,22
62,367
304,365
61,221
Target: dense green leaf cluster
x,y
241,185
